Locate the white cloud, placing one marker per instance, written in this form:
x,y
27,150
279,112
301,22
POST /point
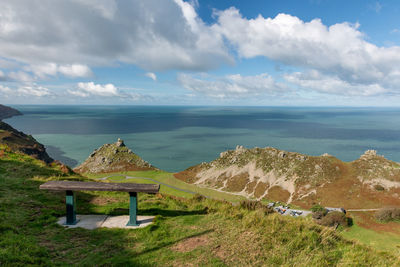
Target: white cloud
x,y
43,70
234,86
106,8
90,88
33,90
78,93
155,35
75,70
315,81
8,64
26,90
52,69
20,76
338,50
151,75
2,76
4,89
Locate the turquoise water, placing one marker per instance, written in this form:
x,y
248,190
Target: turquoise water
x,y
174,138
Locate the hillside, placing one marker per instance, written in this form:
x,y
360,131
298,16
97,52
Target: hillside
x,y
197,231
369,182
18,141
8,112
113,158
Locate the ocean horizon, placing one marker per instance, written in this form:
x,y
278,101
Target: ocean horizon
x,y
174,138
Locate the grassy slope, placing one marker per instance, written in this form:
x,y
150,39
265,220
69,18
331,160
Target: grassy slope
x,y
366,230
200,232
380,240
168,178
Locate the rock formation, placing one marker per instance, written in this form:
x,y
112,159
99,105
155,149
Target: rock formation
x,y
113,158
296,178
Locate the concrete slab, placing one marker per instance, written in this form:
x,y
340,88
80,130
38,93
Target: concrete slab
x,y
95,221
121,221
85,221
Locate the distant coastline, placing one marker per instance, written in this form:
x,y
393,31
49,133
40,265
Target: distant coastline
x,y
8,112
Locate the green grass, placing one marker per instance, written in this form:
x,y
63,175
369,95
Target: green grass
x,y
381,241
201,232
168,178
116,178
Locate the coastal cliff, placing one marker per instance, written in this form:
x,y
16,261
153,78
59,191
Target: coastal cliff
x,y
19,142
305,180
113,158
8,112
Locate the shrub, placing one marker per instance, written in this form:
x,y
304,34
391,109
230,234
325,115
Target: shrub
x,y
395,213
318,208
254,205
318,212
388,214
334,218
318,215
197,197
378,187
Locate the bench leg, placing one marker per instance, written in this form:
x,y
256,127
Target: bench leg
x,y
70,203
132,209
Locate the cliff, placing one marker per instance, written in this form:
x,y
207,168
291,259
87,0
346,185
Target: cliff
x,y
113,158
304,180
8,112
19,142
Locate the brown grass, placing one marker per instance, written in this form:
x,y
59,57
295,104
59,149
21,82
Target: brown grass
x,y
260,189
277,193
237,183
191,243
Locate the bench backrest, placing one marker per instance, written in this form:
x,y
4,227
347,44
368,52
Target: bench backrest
x,y
96,186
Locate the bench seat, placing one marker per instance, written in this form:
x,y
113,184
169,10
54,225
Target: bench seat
x,y
71,186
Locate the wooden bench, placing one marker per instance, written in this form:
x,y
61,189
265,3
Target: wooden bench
x,y
70,187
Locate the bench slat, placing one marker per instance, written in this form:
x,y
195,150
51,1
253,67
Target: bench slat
x,y
95,186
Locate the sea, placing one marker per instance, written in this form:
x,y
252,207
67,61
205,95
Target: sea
x,y
174,138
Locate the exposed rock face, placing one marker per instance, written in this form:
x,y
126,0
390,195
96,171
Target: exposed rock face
x,y
8,112
304,180
113,158
20,142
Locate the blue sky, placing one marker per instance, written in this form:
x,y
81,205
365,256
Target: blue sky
x,y
263,53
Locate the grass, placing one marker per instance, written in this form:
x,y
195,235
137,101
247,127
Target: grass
x,y
380,240
193,231
168,178
116,178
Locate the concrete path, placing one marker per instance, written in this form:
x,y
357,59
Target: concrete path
x,y
96,221
362,210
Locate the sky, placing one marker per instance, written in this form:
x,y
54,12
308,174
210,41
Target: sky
x,y
175,52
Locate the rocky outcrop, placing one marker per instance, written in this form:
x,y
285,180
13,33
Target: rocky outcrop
x,y
113,158
8,112
19,142
296,178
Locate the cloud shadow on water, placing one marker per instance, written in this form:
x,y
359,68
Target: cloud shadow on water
x,y
57,154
